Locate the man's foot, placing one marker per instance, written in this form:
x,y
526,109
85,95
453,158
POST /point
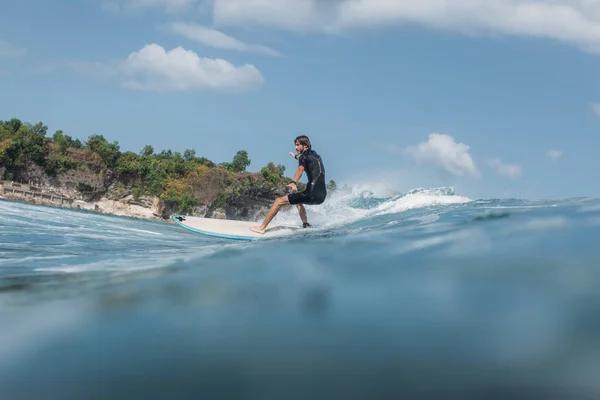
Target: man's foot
x,y
257,229
306,225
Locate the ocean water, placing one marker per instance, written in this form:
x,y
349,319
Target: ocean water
x,y
426,294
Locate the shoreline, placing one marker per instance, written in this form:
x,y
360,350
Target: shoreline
x,y
248,204
149,208
125,207
87,211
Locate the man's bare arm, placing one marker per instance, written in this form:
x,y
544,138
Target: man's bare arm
x,y
298,174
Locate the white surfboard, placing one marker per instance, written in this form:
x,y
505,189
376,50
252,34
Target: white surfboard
x,y
228,228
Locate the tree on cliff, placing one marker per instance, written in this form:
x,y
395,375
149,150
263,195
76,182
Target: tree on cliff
x,y
108,152
148,150
189,154
65,141
20,142
239,163
273,173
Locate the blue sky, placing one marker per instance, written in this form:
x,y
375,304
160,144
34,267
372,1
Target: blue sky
x,y
496,98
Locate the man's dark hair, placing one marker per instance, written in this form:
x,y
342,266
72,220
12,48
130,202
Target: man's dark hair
x,y
303,140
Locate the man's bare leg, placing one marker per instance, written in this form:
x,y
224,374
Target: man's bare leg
x,y
277,204
302,212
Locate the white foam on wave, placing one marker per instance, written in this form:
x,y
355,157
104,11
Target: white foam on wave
x,y
334,210
337,209
420,199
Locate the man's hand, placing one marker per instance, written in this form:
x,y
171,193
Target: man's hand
x,y
292,154
293,186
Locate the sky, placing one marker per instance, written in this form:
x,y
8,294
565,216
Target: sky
x,y
498,98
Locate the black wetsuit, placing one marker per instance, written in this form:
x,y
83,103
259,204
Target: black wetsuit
x,y
316,190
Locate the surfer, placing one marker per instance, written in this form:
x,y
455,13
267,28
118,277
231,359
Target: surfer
x,y
310,162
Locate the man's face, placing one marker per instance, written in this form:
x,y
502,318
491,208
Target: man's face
x,y
300,148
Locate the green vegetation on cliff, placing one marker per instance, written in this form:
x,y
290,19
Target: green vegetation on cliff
x,y
182,180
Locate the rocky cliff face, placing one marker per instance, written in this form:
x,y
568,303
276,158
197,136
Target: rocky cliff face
x,y
77,183
251,205
245,198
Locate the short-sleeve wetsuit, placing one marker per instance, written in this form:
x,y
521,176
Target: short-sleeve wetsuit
x,y
316,190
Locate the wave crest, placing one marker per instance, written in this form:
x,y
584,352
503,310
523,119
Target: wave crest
x,y
350,204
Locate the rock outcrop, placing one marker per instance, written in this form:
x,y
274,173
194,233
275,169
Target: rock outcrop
x,y
245,198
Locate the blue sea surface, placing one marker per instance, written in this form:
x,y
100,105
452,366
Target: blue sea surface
x,y
426,294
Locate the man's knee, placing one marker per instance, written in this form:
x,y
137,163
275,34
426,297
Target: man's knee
x,y
280,201
320,198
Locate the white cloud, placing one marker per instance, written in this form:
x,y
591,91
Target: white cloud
x,y
282,14
154,68
575,22
9,50
217,39
444,152
512,171
554,154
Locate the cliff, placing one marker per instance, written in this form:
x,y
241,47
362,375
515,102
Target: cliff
x,y
242,196
96,175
